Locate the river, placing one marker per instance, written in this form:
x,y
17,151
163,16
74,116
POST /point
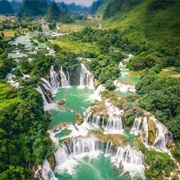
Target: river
x,y
86,164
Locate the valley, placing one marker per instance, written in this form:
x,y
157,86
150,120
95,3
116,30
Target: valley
x,y
90,96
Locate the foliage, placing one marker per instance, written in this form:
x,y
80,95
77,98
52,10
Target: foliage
x,y
149,30
157,5
41,64
109,85
105,69
54,13
33,8
80,48
104,66
6,64
116,6
23,125
95,6
156,162
5,7
106,39
160,95
145,60
67,60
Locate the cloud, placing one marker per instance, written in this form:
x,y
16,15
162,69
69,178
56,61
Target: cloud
x,y
79,2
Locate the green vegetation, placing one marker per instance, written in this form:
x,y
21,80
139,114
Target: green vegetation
x,y
77,47
160,164
149,28
5,7
105,70
23,125
102,8
33,8
95,6
99,45
119,6
54,13
6,64
160,95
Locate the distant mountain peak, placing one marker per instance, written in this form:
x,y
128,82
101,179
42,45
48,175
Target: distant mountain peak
x,y
5,7
33,8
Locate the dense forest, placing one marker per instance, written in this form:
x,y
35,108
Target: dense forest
x,y
152,28
5,7
23,126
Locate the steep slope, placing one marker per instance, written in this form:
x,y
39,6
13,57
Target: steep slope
x,y
16,5
150,25
5,7
73,8
33,8
102,8
95,6
54,13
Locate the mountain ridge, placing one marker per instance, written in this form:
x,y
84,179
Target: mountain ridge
x,y
5,7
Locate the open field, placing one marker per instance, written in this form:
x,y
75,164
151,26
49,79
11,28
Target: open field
x,y
78,25
77,47
8,33
169,71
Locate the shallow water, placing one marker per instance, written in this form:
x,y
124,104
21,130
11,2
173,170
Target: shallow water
x,y
99,168
77,99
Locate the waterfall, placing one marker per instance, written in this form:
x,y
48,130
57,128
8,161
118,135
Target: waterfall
x,y
47,86
129,159
136,126
161,135
46,172
98,91
43,96
93,119
77,147
36,174
140,126
25,76
128,155
114,123
82,145
96,121
108,148
86,78
65,81
10,80
124,87
54,79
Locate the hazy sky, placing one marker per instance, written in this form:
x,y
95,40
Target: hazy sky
x,y
79,2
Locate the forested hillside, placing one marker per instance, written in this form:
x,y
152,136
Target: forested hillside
x,y
23,126
5,7
54,13
33,8
150,27
150,30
